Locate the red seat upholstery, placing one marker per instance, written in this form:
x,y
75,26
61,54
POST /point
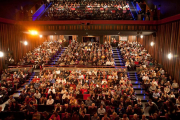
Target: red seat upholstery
x,y
63,115
85,96
112,117
88,115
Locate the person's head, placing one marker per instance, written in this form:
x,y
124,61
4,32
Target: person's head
x,y
124,116
95,114
74,114
37,91
143,117
31,104
155,115
55,114
93,105
57,97
135,116
82,105
50,97
101,106
114,114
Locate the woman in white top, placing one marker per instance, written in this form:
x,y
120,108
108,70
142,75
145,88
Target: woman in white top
x,y
178,101
171,95
154,82
63,91
59,80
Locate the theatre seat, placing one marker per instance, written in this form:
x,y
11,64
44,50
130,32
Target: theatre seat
x,y
63,115
88,115
85,96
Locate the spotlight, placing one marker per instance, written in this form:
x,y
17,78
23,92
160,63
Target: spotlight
x,y
25,43
40,36
170,56
141,36
1,54
33,32
152,44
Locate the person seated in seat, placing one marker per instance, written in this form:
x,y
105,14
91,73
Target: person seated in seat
x,y
51,90
58,108
43,100
50,101
92,109
125,117
72,101
30,107
82,109
88,102
75,116
95,117
114,116
54,116
63,91
65,96
101,111
66,108
105,117
83,116
75,108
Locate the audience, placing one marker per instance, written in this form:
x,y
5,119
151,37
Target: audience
x,y
87,54
111,94
115,10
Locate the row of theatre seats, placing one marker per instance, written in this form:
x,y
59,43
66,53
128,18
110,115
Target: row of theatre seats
x,y
21,115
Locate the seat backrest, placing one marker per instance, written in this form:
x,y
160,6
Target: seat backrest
x,y
88,115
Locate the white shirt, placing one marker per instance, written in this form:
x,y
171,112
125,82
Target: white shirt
x,y
37,95
58,72
65,96
108,63
53,91
145,77
81,77
50,102
101,111
63,91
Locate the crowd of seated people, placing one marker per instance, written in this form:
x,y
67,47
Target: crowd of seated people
x,y
109,95
87,53
118,5
161,87
88,10
133,54
11,81
42,54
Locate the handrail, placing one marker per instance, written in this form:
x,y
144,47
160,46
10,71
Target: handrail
x,y
19,66
138,7
38,12
84,66
43,11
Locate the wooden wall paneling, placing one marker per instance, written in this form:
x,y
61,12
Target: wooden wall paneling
x,y
163,46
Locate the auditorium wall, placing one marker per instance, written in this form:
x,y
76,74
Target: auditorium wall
x,y
11,41
167,40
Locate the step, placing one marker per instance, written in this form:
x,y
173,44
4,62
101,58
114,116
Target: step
x,y
140,92
143,98
138,86
116,54
135,82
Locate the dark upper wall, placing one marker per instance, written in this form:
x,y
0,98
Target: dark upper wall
x,y
8,7
168,7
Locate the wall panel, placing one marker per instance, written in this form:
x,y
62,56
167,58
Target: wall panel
x,y
11,40
167,40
